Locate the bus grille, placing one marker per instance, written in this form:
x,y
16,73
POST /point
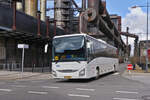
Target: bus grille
x,y
67,71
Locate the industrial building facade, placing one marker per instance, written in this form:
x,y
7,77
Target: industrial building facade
x,y
21,23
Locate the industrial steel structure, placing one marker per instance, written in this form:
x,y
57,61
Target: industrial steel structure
x,y
17,27
20,22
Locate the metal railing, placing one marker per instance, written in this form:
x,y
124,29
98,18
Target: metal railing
x,y
33,68
9,66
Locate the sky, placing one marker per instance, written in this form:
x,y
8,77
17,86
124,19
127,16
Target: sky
x,y
135,19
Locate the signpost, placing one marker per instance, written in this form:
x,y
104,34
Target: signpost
x,y
23,47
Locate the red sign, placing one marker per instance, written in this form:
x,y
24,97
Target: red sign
x,y
130,67
148,52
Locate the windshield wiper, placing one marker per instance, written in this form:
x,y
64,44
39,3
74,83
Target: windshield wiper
x,y
56,61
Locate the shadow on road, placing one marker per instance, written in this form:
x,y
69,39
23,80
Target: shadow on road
x,y
83,80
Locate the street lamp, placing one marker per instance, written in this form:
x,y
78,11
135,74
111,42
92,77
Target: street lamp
x,y
147,6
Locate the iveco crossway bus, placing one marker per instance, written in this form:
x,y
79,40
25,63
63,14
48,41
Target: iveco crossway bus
x,y
80,56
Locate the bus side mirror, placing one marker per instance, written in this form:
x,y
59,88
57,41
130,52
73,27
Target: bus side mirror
x,y
46,48
88,45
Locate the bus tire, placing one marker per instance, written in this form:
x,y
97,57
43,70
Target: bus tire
x,y
97,73
115,70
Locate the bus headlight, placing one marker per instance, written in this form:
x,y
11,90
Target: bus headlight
x,y
54,73
82,72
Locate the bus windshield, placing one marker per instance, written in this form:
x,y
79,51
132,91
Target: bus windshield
x,y
69,48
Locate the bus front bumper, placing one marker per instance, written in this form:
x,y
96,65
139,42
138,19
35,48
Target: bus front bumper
x,y
75,75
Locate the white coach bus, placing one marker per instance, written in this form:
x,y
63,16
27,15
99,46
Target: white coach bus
x,y
80,56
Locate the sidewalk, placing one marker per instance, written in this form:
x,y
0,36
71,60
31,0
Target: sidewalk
x,y
138,75
15,75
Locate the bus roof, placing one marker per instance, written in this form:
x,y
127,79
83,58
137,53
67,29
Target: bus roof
x,y
83,34
70,35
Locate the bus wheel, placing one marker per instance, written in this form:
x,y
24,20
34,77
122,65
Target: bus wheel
x,y
115,70
97,73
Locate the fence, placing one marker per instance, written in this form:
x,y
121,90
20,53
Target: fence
x,y
33,68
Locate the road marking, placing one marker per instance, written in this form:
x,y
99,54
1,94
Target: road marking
x,y
37,81
127,92
19,86
123,99
35,92
50,87
2,82
6,90
83,85
77,95
85,89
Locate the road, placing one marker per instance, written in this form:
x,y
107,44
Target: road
x,y
112,86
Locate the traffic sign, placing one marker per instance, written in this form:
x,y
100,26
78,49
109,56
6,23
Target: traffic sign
x,y
130,67
26,46
23,47
148,52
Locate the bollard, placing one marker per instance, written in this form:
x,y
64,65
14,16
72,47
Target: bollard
x,y
10,67
42,68
7,66
33,67
4,66
50,67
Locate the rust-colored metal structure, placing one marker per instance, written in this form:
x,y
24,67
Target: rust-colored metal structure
x,y
16,28
132,35
20,27
14,15
39,23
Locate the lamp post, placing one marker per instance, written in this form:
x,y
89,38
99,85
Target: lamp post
x,y
147,6
147,40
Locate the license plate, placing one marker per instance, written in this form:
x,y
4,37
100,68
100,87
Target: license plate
x,y
67,77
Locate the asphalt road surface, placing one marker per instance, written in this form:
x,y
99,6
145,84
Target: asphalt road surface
x,y
112,86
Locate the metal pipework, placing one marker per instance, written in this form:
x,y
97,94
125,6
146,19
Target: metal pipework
x,y
81,22
54,28
14,15
31,7
19,6
58,17
94,4
39,23
93,10
90,14
43,9
47,27
63,14
83,5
